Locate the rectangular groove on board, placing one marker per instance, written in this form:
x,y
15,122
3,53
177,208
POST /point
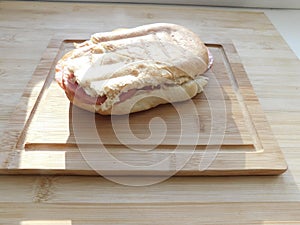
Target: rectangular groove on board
x,y
246,114
68,44
41,97
124,148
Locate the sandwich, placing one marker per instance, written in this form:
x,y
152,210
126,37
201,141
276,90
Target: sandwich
x,y
131,70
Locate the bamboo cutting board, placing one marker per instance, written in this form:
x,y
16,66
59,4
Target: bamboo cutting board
x,y
222,131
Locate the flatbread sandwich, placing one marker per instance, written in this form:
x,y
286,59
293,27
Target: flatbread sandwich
x,y
131,70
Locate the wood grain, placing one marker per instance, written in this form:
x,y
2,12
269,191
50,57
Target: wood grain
x,y
273,69
247,213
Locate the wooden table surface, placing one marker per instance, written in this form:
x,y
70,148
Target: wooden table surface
x,y
273,69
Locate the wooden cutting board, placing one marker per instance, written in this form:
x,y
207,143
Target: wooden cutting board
x,y
222,131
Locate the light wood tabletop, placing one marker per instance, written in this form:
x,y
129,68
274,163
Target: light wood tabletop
x,y
272,68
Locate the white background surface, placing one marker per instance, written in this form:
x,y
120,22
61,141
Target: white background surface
x,y
294,4
287,22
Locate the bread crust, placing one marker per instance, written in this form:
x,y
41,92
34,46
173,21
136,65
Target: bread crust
x,y
180,70
177,34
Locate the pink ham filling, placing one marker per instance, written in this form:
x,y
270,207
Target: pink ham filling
x,y
78,92
73,89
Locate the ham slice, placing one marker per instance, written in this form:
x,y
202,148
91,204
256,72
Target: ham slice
x,y
72,88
